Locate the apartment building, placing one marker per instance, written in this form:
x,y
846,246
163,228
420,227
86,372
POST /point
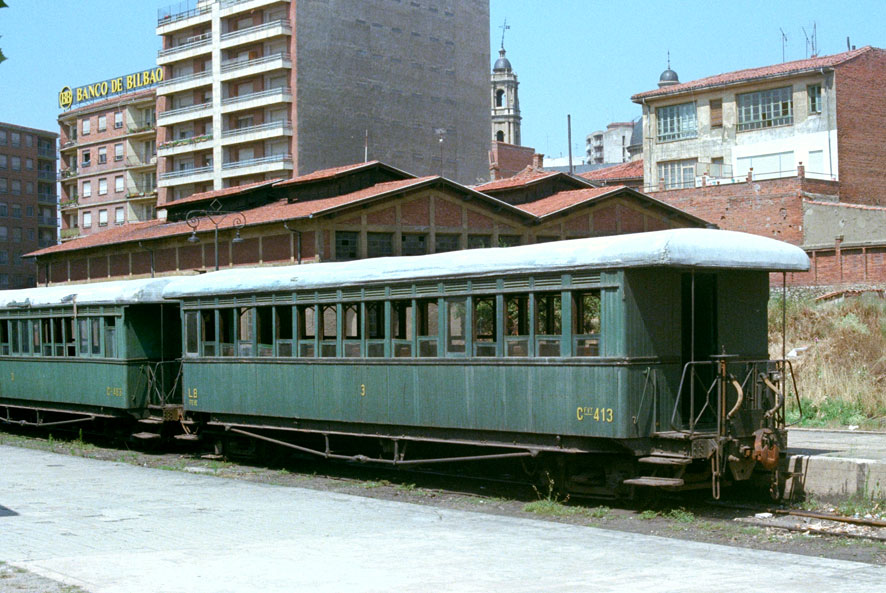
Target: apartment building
x,y
27,201
108,168
263,89
609,145
824,113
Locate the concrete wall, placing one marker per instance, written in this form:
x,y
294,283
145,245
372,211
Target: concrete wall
x,y
857,225
400,70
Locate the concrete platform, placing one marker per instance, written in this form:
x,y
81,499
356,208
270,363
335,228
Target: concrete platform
x,y
117,528
835,464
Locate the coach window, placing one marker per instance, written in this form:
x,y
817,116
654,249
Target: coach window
x,y
4,337
456,322
401,329
69,336
307,330
83,335
283,330
111,337
329,331
95,340
264,337
25,329
427,321
192,336
13,336
517,325
548,329
586,322
46,330
351,327
58,335
374,330
245,332
226,321
207,330
484,326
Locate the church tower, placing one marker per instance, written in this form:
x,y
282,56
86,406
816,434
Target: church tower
x,y
505,104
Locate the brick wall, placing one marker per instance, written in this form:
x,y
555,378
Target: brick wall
x,y
861,128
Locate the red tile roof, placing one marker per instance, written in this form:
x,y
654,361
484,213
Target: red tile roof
x,y
566,199
521,179
775,70
218,193
630,170
279,210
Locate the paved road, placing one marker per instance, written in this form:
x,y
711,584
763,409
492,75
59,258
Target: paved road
x,y
111,527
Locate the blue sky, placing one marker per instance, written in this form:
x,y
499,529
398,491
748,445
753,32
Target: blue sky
x,y
582,57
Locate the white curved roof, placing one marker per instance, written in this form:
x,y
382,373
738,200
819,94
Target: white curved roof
x,y
689,248
145,290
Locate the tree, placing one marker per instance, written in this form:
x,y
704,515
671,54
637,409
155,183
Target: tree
x,y
2,5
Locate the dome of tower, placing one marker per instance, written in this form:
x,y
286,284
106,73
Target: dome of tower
x,y
502,64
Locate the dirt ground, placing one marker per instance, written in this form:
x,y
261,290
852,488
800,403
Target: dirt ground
x,y
690,516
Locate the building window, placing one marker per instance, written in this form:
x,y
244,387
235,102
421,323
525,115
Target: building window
x,y
4,256
2,137
118,152
29,211
509,240
499,98
118,120
86,189
676,174
87,220
413,244
16,139
346,245
479,241
29,164
4,211
102,187
102,123
86,159
16,211
29,140
765,109
379,244
16,163
30,234
676,122
500,136
118,215
86,127
16,234
16,187
118,184
102,155
3,161
444,243
813,91
102,218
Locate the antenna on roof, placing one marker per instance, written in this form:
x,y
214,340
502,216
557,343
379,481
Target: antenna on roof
x,y
504,27
784,40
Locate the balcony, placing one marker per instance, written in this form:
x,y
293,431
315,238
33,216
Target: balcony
x,y
47,198
143,127
69,233
256,33
259,132
46,153
183,145
47,221
229,7
46,175
255,100
182,16
184,176
237,68
46,243
274,162
184,83
175,116
138,191
67,173
194,46
135,161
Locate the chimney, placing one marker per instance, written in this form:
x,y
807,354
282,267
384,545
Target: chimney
x,y
801,170
538,160
750,174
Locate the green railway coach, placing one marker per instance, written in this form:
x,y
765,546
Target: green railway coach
x,y
79,352
650,348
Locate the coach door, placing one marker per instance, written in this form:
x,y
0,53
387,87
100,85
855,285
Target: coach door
x,y
699,342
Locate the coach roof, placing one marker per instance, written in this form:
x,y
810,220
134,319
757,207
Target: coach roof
x,y
687,248
121,292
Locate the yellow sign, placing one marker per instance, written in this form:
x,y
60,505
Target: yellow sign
x,y
68,97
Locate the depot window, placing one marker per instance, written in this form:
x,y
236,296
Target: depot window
x,y
676,122
765,109
86,127
118,120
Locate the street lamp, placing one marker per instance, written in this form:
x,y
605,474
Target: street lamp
x,y
215,217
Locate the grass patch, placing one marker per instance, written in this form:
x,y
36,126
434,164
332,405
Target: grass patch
x,y
680,515
648,515
841,376
862,504
369,484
